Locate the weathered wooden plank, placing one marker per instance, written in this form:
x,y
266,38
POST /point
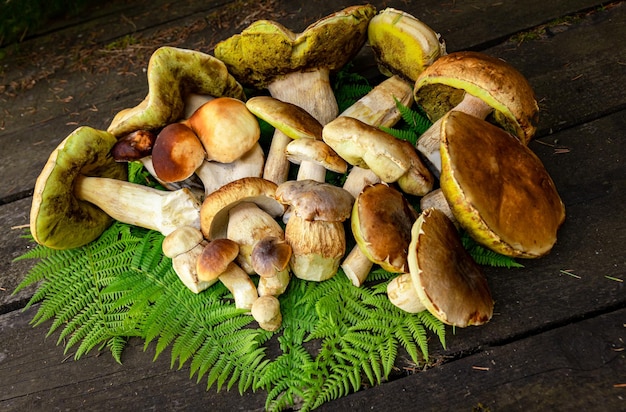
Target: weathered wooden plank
x,y
41,118
575,367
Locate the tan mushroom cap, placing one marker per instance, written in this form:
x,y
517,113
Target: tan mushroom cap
x,y
442,86
290,119
367,146
381,222
266,50
177,153
226,128
215,258
216,205
58,219
497,188
312,200
447,280
315,151
181,240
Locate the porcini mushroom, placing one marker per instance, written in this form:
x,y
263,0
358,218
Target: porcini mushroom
x,y
216,206
266,311
270,259
381,223
315,229
477,84
226,128
501,194
81,189
217,262
443,275
295,67
177,153
172,74
184,245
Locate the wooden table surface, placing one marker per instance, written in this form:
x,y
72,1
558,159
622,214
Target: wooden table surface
x,y
556,341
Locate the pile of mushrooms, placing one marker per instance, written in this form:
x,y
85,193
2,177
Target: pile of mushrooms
x,y
230,214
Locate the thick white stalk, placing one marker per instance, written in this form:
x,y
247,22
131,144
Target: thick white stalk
x,y
139,205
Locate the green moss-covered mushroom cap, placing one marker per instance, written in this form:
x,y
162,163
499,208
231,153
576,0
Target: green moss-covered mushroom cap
x,y
58,219
266,49
174,73
442,86
497,188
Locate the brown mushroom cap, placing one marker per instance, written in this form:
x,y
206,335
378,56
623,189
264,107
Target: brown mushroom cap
x,y
313,200
381,222
215,258
442,86
270,255
177,153
133,146
498,189
58,219
447,280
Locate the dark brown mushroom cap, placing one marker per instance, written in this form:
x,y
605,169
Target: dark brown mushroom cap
x,y
290,119
447,280
381,222
498,189
177,153
133,146
312,200
266,50
58,219
442,86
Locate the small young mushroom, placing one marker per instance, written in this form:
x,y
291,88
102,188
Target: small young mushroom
x,y
177,153
266,311
315,229
295,68
381,223
184,245
81,189
445,278
314,157
173,73
248,224
270,260
217,262
501,194
477,84
226,128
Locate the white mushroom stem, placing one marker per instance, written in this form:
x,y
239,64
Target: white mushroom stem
x,y
240,285
402,294
140,205
429,141
356,266
311,91
358,178
437,200
275,285
215,174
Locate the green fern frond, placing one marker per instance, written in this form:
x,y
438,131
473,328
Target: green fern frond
x,y
402,134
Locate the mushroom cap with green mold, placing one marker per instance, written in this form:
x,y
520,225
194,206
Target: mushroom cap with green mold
x,y
266,49
441,86
58,219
